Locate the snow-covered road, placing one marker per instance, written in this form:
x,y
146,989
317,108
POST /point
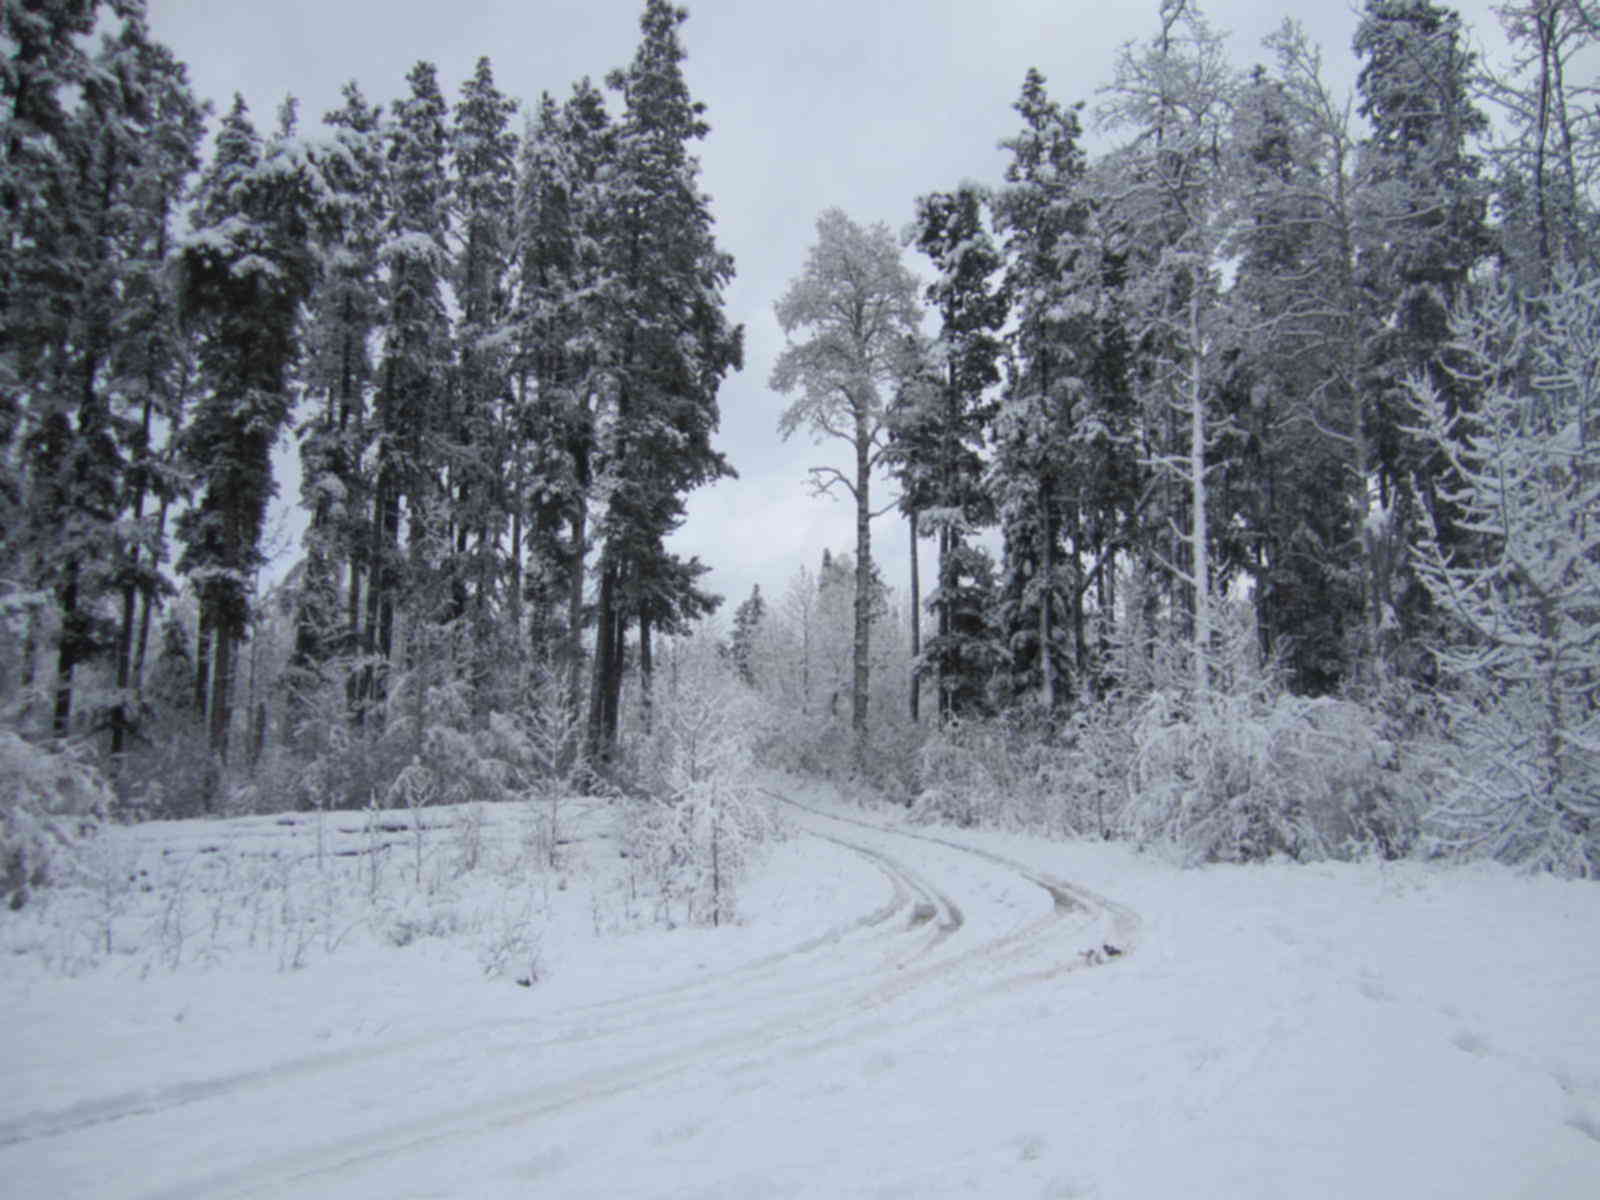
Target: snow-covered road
x,y
460,1109
932,1013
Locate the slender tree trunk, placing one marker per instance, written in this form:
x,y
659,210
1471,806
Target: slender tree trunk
x,y
599,748
615,670
130,590
514,600
202,659
146,605
863,613
67,652
916,623
352,635
119,714
947,591
646,669
221,712
574,639
388,526
1197,508
28,674
1047,566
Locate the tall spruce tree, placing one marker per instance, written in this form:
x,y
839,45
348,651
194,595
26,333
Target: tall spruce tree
x,y
413,375
668,346
149,148
47,63
1064,474
939,437
337,372
561,225
1421,231
248,267
94,147
1288,485
484,186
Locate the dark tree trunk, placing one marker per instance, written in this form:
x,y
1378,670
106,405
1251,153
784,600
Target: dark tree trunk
x,y
69,650
574,640
599,681
202,660
141,645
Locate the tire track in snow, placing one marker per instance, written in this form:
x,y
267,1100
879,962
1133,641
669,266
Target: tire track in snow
x,y
949,963
1125,923
624,1012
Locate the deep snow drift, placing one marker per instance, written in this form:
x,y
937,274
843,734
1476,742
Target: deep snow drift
x,y
895,1015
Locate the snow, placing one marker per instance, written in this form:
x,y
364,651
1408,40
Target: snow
x,y
905,1011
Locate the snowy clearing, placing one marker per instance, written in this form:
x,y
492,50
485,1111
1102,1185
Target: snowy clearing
x,y
902,1011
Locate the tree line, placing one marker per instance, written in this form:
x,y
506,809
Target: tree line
x,y
498,343
1257,353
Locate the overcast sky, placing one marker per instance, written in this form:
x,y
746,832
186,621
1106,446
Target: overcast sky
x,y
856,104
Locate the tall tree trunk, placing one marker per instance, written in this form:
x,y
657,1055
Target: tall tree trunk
x,y
615,670
130,590
68,650
604,652
220,713
863,613
574,639
1197,528
646,669
119,713
1047,566
946,667
388,554
221,693
916,623
30,666
202,659
351,642
146,605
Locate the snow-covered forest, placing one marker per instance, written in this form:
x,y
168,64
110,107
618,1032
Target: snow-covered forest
x,y
1251,460
1245,437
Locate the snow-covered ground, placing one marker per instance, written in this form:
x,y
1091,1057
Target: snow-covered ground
x,y
901,1012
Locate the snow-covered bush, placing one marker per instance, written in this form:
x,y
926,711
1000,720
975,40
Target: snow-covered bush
x,y
704,819
50,798
1241,776
958,783
1022,769
549,736
1244,772
429,727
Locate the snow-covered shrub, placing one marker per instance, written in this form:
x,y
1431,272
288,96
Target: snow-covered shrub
x,y
549,737
962,775
1026,770
50,798
510,942
704,819
1089,767
1243,776
429,725
1498,794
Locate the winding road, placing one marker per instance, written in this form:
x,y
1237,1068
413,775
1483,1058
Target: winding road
x,y
571,1102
